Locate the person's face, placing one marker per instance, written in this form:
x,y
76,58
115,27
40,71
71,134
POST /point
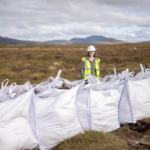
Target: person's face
x,y
91,53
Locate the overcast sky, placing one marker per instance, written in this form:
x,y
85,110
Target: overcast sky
x,y
44,20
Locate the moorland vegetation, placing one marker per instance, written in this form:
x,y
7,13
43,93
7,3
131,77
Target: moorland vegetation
x,y
36,63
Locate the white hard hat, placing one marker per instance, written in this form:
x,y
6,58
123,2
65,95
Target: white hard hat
x,y
91,48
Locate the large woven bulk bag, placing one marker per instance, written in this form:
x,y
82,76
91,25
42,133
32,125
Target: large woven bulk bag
x,y
139,95
56,118
97,109
15,130
125,108
104,109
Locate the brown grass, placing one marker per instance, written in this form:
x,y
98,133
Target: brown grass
x,y
92,140
23,63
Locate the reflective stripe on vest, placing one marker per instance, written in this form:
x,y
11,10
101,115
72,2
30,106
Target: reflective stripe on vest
x,y
87,70
97,67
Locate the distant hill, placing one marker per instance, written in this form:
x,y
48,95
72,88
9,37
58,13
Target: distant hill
x,y
144,42
90,39
94,39
112,40
6,40
56,41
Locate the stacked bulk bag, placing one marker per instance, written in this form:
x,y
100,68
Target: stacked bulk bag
x,y
56,118
15,129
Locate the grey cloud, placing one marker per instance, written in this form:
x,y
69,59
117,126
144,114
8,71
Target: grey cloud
x,y
127,3
41,20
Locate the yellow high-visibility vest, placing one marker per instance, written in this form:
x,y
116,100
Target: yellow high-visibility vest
x,y
87,70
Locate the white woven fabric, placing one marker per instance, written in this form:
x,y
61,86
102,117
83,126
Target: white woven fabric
x,y
15,130
56,118
97,109
139,95
125,108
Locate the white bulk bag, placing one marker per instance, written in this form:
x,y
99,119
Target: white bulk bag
x,y
97,110
139,95
56,118
15,131
125,109
104,109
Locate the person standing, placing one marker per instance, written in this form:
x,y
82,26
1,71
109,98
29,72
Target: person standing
x,y
90,64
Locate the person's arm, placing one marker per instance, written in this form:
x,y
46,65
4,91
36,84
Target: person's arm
x,y
99,68
82,69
